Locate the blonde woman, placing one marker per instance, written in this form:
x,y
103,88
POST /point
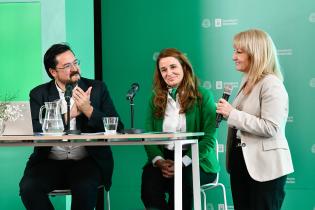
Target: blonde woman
x,y
258,155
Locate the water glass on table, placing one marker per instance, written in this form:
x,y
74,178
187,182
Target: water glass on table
x,y
110,124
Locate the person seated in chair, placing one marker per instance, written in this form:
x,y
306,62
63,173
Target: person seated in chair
x,y
178,104
78,168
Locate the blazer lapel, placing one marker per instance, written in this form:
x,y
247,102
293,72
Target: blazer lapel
x,y
191,119
82,85
53,92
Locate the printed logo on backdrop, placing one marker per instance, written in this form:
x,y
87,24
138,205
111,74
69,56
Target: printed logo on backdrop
x,y
206,23
311,18
290,180
284,51
207,85
210,206
234,85
312,82
218,22
290,119
313,149
220,84
220,147
221,206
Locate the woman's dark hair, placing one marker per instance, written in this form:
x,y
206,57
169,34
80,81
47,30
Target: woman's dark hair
x,y
187,90
51,54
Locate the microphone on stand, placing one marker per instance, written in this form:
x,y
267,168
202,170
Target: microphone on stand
x,y
226,94
130,95
68,95
132,91
68,92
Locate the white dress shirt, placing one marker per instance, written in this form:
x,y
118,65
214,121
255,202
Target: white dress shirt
x,y
174,122
67,152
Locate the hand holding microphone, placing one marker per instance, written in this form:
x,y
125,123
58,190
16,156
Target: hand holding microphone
x,y
223,107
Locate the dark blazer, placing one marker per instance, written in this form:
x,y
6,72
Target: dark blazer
x,y
102,106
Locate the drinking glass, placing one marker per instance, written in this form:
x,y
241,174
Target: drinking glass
x,y
110,124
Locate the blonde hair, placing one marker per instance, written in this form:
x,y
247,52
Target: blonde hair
x,y
262,55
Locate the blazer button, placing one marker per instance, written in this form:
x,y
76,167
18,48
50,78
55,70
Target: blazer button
x,y
243,144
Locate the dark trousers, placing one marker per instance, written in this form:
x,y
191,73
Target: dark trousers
x,y
82,176
154,188
249,194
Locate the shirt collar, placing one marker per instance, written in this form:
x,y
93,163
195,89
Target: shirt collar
x,y
59,89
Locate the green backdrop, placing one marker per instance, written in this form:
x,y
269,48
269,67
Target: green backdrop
x,y
27,29
133,33
20,70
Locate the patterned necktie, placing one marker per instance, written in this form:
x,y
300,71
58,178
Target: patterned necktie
x,y
173,92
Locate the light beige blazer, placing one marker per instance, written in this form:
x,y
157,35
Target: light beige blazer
x,y
260,118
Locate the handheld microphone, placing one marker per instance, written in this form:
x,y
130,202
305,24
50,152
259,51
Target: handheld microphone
x,y
132,91
226,94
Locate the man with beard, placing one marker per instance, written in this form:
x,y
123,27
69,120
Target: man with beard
x,y
81,169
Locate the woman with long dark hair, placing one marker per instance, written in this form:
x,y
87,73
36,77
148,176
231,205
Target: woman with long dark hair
x,y
178,104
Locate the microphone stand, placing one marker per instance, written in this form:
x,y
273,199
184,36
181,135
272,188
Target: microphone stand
x,y
68,115
132,113
132,130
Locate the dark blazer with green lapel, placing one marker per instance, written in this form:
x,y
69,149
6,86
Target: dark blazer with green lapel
x,y
102,106
199,118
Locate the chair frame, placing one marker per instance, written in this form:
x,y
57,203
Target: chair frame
x,y
216,183
100,196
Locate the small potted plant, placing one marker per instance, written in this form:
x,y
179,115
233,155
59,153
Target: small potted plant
x,y
8,112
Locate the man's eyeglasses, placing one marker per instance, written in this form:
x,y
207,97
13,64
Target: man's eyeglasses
x,y
68,66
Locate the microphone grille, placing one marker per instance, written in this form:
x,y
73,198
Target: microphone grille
x,y
135,85
69,86
228,89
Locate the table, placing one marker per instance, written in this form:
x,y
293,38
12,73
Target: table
x,y
101,139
